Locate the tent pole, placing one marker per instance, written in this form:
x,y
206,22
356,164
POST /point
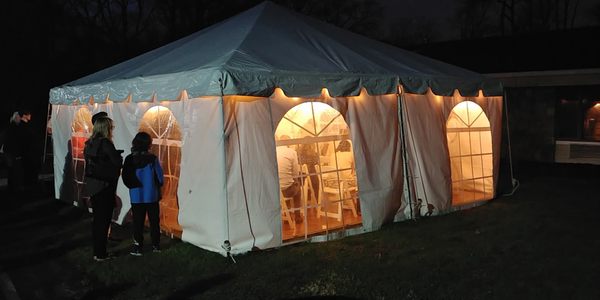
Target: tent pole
x,y
226,244
233,105
514,182
48,114
404,152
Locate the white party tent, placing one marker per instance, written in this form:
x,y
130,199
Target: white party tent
x,y
395,135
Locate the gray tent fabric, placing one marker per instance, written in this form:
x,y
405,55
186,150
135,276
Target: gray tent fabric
x,y
267,47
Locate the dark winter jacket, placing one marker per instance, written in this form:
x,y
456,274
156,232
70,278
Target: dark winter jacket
x,y
143,175
100,153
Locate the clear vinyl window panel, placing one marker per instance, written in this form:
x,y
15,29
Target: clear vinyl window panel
x,y
328,197
161,124
81,130
470,148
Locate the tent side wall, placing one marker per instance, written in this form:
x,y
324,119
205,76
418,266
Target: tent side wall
x,y
252,181
201,190
62,118
202,181
374,126
428,155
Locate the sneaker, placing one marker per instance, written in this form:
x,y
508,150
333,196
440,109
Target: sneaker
x,y
156,249
136,250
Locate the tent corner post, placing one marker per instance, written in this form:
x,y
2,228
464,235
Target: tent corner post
x,y
405,170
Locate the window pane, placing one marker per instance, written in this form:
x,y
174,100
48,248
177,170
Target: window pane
x,y
466,166
456,169
475,142
477,166
487,165
486,142
465,145
453,144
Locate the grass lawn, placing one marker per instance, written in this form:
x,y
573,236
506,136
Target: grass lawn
x,y
541,243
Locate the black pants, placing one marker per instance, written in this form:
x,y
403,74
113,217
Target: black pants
x,y
140,210
16,176
103,204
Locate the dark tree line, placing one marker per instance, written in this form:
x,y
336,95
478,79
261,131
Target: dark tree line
x,y
52,42
480,18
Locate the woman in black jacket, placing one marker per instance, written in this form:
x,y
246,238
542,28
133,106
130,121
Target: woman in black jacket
x,y
103,168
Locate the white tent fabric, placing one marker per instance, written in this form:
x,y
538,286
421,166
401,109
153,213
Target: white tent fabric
x,y
429,168
266,47
228,183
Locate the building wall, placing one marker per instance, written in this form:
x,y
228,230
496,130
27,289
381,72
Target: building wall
x,y
531,115
538,116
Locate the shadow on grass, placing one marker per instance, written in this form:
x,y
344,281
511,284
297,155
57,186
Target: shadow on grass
x,y
108,292
200,286
40,255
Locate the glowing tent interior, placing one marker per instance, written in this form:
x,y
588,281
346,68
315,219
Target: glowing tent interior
x,y
381,134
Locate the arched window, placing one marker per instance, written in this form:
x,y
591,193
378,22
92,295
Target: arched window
x,y
160,123
317,137
81,130
470,148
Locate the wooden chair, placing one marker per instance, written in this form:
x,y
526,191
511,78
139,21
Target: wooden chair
x,y
286,212
343,192
308,190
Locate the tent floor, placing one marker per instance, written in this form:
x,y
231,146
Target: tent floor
x,y
314,225
461,197
170,227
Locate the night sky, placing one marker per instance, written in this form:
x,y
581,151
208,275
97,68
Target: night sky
x,y
48,46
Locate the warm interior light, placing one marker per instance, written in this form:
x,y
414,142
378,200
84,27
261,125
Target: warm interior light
x,y
240,98
469,141
468,115
160,123
155,109
591,124
321,139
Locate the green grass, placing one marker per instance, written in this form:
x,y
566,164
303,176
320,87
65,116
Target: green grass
x,y
540,243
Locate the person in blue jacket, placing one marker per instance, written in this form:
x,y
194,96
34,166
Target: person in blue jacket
x,y
143,175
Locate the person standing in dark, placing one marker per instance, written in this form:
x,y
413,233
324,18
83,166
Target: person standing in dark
x,y
31,159
18,151
103,167
14,155
143,175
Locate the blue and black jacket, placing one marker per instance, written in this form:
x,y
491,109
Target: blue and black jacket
x,y
143,175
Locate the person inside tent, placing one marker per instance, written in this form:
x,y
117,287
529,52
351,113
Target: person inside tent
x,y
307,154
345,159
289,171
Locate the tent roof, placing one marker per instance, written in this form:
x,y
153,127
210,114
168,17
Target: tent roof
x,y
266,47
